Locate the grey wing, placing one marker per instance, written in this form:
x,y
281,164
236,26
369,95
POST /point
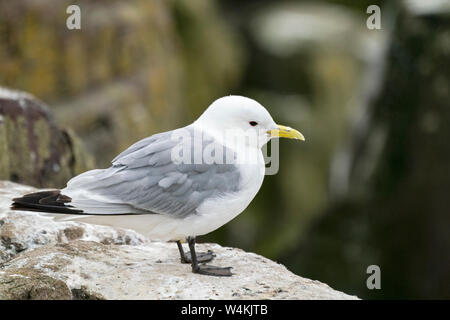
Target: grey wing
x,y
146,179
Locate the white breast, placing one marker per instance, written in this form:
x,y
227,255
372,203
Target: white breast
x,y
214,213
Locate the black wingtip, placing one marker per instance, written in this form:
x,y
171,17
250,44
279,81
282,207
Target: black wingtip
x,y
44,201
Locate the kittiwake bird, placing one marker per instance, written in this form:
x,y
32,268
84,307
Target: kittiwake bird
x,y
178,184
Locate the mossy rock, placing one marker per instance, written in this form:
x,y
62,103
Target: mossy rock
x,y
29,284
33,149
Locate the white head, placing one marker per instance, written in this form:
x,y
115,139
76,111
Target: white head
x,y
244,119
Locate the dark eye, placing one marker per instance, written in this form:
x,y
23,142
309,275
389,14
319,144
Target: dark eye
x,y
253,123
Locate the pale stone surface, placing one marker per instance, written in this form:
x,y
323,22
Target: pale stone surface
x,y
43,259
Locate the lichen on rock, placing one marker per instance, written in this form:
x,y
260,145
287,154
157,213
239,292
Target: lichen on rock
x,y
29,284
34,150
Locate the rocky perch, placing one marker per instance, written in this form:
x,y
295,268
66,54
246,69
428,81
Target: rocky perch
x,y
44,259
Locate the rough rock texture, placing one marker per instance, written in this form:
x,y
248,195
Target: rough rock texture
x,y
154,271
33,149
29,284
43,259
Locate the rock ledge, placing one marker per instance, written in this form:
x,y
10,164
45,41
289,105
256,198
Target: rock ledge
x,y
43,259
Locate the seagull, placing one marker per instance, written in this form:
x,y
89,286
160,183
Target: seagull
x,y
175,185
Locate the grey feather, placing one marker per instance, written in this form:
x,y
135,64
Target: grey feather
x,y
144,178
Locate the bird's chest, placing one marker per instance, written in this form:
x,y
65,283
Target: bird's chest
x,y
219,211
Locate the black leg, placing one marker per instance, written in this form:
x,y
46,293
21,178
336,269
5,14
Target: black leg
x,y
205,269
183,257
201,256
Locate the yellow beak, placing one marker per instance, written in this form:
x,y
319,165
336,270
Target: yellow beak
x,y
286,132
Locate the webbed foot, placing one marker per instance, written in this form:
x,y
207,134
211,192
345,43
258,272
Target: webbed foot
x,y
213,271
201,257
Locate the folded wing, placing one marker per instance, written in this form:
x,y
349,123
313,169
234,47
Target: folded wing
x,y
145,179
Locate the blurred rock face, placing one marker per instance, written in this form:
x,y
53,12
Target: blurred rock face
x,y
32,147
135,68
394,212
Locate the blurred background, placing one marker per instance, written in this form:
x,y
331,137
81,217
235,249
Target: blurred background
x,y
370,185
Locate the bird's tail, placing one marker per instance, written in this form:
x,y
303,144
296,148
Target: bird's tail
x,y
45,201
